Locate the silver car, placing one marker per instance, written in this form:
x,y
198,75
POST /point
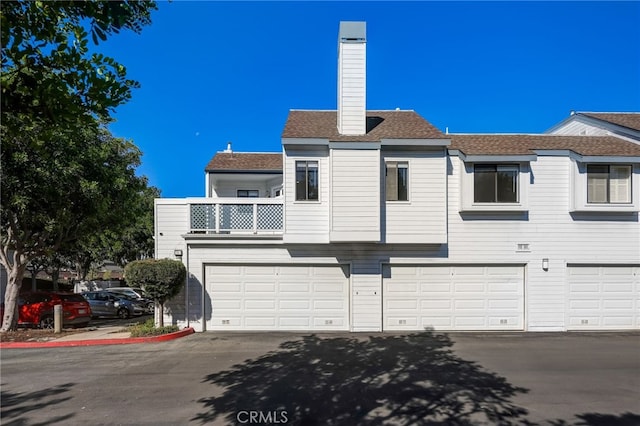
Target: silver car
x,y
106,304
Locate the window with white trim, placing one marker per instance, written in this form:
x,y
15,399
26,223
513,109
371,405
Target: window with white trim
x,y
247,193
608,184
495,183
306,181
397,180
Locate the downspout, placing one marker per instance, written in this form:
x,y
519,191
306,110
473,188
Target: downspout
x,y
186,287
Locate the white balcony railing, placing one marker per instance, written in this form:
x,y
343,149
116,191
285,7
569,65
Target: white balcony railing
x,y
237,216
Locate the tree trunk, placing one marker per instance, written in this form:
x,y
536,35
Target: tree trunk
x,y
161,315
14,282
54,277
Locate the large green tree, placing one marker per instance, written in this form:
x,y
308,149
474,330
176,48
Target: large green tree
x,y
63,174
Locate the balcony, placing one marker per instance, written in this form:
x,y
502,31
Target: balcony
x,y
245,216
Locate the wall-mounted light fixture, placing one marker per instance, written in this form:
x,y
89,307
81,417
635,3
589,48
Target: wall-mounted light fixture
x,y
545,264
178,253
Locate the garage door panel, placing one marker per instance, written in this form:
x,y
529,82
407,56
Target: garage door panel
x,y
616,287
436,287
472,271
403,304
227,287
457,297
602,298
587,304
403,288
469,304
259,304
260,287
301,321
328,287
472,323
262,322
619,271
625,304
292,304
504,304
229,304
285,297
301,288
260,271
468,287
625,321
436,304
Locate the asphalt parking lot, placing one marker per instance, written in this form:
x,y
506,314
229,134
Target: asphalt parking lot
x,y
338,378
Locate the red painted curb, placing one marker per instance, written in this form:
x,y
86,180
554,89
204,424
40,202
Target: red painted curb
x,y
94,342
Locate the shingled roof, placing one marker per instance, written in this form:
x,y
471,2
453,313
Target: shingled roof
x,y
380,125
245,161
630,120
527,144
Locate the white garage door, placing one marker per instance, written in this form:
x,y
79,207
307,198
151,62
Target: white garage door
x,y
603,298
453,297
286,297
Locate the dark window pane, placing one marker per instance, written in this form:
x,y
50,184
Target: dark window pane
x,y
484,183
306,180
391,181
597,183
507,184
301,180
403,188
312,176
248,193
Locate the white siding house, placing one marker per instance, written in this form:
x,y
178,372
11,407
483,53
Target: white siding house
x,y
377,221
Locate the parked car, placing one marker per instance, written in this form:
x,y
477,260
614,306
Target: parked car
x,y
106,304
36,309
135,294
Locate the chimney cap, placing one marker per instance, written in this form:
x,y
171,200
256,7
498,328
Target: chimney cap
x,y
352,31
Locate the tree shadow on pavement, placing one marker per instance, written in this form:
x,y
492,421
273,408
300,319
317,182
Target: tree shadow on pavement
x,y
408,379
597,419
17,406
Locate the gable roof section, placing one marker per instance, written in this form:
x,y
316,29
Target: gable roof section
x,y
630,120
245,161
528,144
380,125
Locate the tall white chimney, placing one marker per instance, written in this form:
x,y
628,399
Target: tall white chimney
x,y
352,78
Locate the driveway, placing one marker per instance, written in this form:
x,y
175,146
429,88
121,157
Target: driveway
x,y
338,378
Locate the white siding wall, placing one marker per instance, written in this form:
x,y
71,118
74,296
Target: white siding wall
x,y
352,88
306,221
171,222
355,195
422,219
551,232
548,228
576,127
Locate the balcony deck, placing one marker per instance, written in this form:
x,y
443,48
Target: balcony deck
x,y
236,216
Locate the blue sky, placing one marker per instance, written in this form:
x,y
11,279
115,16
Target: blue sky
x,y
213,72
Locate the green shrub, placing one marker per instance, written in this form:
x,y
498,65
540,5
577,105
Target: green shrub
x,y
148,328
161,279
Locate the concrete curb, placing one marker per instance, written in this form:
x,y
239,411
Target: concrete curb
x,y
94,342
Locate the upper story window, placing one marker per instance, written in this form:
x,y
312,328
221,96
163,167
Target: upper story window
x,y
306,181
248,193
608,184
495,183
397,180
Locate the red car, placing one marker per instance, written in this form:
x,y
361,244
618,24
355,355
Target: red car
x,y
36,309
